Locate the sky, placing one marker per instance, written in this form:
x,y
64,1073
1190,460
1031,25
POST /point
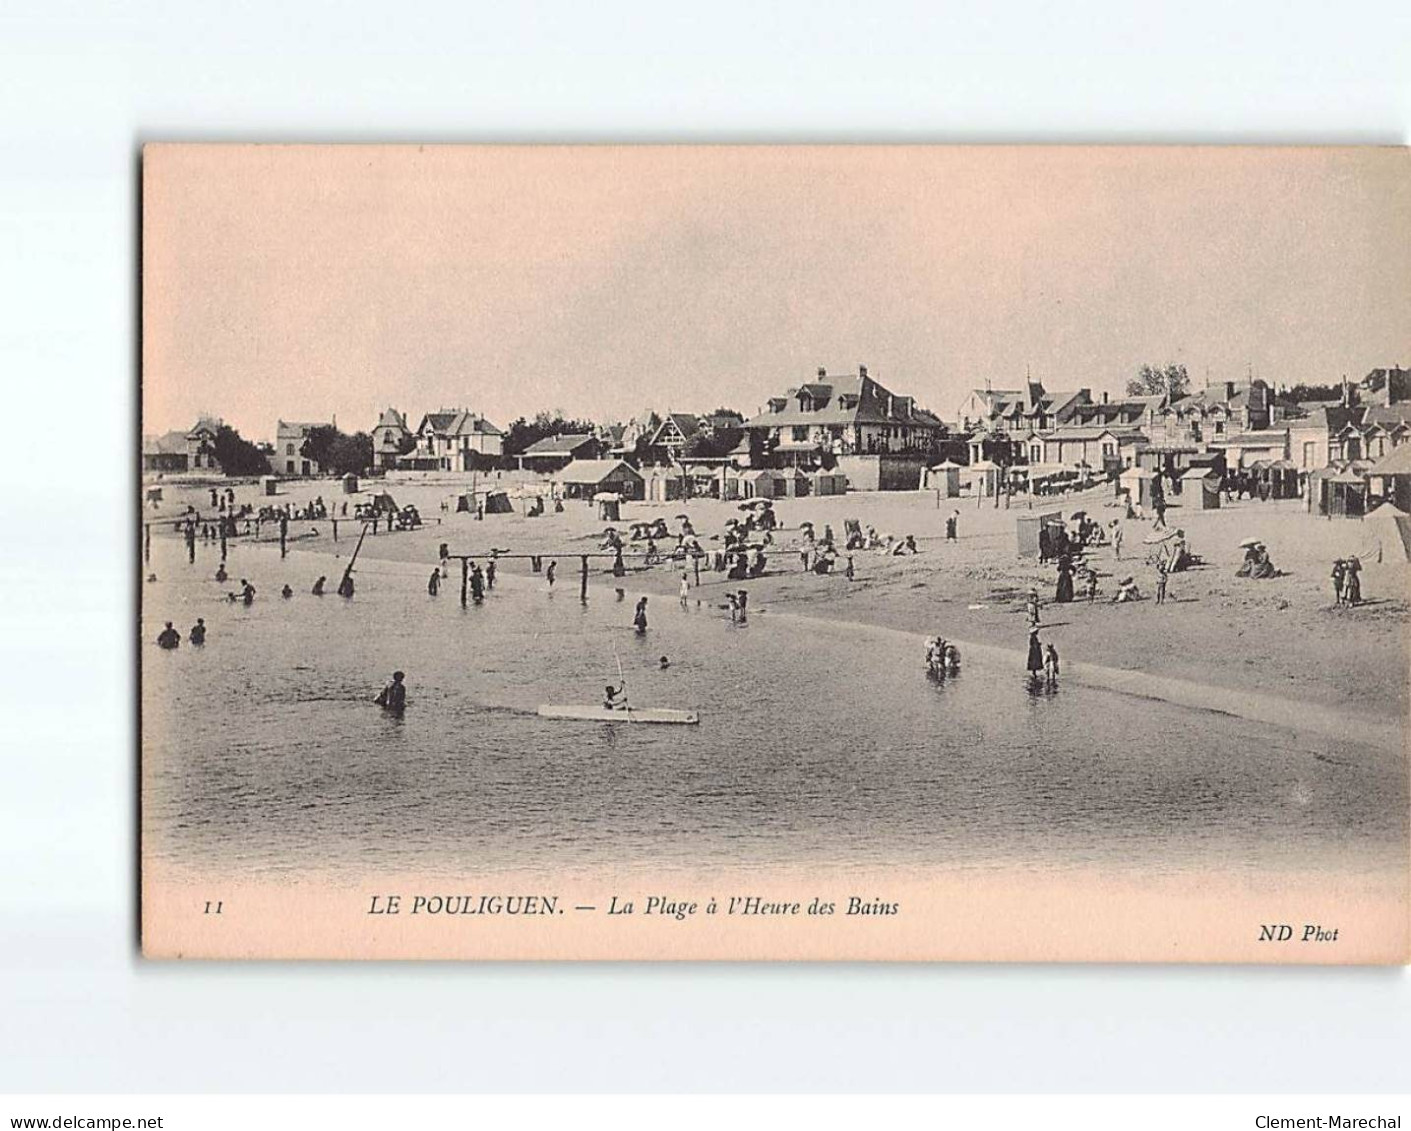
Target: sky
x,y
319,282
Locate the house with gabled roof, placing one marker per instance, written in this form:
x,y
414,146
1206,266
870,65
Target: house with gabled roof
x,y
389,436
192,449
452,439
1003,422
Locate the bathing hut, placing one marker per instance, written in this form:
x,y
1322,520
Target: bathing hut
x,y
1028,528
609,506
269,485
944,478
984,477
1138,483
1200,489
829,483
761,484
1346,495
585,478
350,484
498,502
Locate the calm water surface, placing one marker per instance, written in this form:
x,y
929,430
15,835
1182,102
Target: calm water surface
x,y
819,742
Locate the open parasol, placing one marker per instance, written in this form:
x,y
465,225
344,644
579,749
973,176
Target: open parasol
x,y
1249,543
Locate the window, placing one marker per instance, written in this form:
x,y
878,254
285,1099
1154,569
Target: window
x,y
799,432
1310,447
289,451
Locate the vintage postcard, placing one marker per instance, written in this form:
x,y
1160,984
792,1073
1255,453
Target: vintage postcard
x,y
827,552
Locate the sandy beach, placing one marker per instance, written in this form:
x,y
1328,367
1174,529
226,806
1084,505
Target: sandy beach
x,y
1255,646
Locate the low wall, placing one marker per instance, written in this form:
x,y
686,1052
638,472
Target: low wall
x,y
882,473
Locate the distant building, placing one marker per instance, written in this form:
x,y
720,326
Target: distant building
x,y
1003,423
178,451
584,478
845,416
388,437
554,453
289,458
450,439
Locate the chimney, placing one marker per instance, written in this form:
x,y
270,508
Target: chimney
x,y
1104,396
862,371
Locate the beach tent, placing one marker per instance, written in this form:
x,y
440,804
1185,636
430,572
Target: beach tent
x,y
1200,489
498,502
1389,531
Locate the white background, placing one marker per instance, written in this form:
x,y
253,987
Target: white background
x,y
81,85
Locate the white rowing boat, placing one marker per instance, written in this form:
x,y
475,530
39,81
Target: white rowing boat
x,y
590,713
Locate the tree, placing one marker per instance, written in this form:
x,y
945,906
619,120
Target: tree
x,y
1152,380
237,456
522,433
350,455
1307,392
406,444
711,443
337,453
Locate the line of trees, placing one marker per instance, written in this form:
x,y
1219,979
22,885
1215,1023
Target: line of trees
x,y
1152,380
238,456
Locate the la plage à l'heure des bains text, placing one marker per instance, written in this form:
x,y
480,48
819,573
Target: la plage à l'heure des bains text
x,y
753,906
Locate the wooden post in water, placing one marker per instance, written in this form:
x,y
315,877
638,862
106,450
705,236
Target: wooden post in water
x,y
222,537
465,579
583,580
147,542
335,530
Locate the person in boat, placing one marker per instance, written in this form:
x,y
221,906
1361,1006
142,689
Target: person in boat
x,y
197,634
639,618
1035,661
433,583
615,698
168,638
221,575
318,586
393,697
247,592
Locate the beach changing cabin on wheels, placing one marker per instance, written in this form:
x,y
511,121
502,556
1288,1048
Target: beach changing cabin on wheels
x,y
1138,482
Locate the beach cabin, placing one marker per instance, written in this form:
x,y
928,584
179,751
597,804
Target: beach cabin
x,y
609,506
269,485
1138,484
759,484
584,478
944,478
829,483
1200,489
1029,525
350,484
984,478
1345,495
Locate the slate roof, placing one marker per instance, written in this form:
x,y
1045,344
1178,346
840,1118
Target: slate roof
x,y
850,399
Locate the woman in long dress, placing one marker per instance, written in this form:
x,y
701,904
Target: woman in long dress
x,y
1036,654
1064,593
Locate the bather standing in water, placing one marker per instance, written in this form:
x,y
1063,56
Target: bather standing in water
x,y
168,638
639,619
318,586
393,697
1035,662
198,631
